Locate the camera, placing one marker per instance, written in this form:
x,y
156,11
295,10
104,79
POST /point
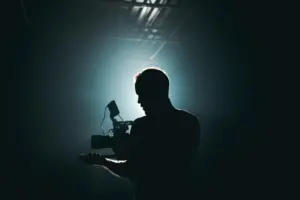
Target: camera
x,y
120,128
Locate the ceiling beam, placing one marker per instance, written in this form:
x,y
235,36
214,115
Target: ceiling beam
x,y
134,3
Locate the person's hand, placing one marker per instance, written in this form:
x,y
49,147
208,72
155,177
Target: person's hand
x,y
92,158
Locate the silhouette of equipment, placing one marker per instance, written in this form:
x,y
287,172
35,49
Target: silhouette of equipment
x,y
92,158
101,141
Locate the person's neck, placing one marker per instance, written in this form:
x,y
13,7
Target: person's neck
x,y
167,104
166,107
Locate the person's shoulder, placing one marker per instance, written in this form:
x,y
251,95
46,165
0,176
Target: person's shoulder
x,y
191,121
138,125
140,121
188,116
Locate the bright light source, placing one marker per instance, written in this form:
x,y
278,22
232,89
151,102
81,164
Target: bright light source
x,y
135,10
153,16
144,12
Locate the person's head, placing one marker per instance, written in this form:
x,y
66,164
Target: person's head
x,y
152,88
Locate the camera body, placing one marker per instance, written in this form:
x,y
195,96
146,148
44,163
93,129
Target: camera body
x,y
108,141
120,128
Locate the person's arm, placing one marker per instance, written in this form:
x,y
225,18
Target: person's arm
x,y
116,167
127,150
126,146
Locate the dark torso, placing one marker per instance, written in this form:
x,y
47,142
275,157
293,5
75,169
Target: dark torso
x,y
164,154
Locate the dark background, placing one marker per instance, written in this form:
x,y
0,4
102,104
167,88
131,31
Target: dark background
x,y
49,56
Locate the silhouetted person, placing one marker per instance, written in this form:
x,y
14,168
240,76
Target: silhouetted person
x,y
161,146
